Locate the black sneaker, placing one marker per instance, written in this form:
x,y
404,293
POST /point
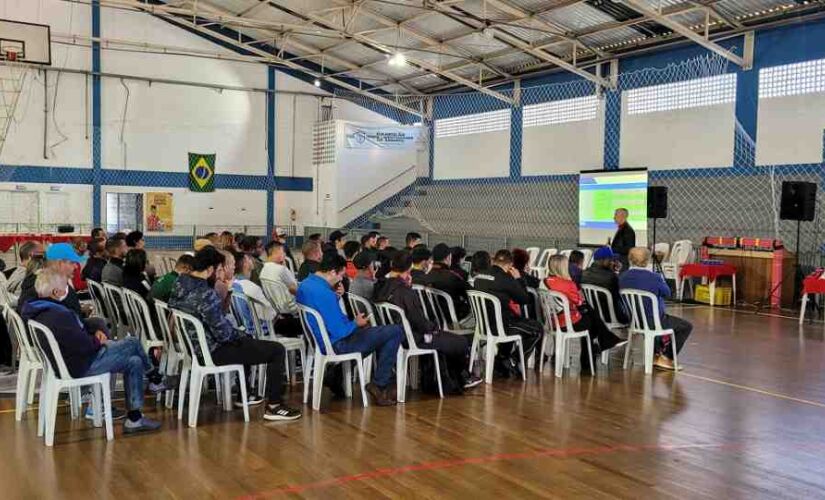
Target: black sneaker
x,y
281,412
251,400
145,424
472,381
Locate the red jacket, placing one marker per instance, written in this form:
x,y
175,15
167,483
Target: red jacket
x,y
351,270
571,291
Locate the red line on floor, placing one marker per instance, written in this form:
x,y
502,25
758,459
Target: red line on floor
x,y
445,464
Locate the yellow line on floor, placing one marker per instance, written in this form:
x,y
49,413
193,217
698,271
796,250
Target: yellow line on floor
x,y
753,389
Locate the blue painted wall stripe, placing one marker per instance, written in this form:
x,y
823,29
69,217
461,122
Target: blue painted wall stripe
x,y
270,151
97,145
516,134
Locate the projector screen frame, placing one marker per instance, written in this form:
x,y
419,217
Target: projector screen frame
x,y
608,171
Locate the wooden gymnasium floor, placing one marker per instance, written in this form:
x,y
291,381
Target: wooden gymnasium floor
x,y
746,419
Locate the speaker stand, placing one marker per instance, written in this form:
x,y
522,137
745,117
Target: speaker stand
x,y
657,266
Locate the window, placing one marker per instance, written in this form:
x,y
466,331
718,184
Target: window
x,y
124,211
568,110
792,79
478,123
708,91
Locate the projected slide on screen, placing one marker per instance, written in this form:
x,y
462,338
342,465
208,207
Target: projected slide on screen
x,y
601,193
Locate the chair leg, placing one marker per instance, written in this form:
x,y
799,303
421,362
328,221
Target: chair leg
x,y
541,353
521,355
195,397
473,349
590,355
675,361
184,381
648,354
361,369
560,354
244,402
51,417
413,373
22,391
627,349
107,403
438,375
97,402
33,372
318,381
75,402
227,391
43,405
308,369
348,379
490,359
802,309
401,375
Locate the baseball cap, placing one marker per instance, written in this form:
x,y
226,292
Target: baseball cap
x,y
604,253
62,251
337,235
441,252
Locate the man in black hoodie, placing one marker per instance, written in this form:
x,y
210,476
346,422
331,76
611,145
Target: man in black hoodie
x,y
501,280
442,277
86,353
396,289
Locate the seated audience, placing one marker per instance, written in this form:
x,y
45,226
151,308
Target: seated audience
x,y
134,272
458,255
98,233
287,322
521,261
135,240
312,259
28,251
351,249
93,270
603,273
581,315
89,352
383,243
242,284
363,283
227,242
385,261
275,268
281,237
213,238
224,276
422,260
442,277
162,288
412,240
575,264
320,291
193,294
200,244
638,277
252,246
480,263
113,270
337,241
315,237
501,280
454,348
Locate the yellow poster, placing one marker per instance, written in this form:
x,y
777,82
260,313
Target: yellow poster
x,y
158,212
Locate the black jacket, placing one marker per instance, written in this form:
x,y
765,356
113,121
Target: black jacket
x,y
307,267
397,292
605,278
419,277
28,293
501,284
445,279
94,269
623,240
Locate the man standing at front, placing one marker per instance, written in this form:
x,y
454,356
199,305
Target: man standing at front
x,y
625,237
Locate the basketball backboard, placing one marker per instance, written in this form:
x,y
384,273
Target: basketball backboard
x,y
25,42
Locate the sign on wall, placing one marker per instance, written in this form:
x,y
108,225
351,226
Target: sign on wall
x,y
158,212
381,137
201,172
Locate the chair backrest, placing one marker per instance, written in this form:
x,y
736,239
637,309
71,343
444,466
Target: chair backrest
x,y
533,252
601,300
554,304
246,309
171,262
536,305
391,314
487,310
166,324
566,253
421,290
20,335
278,295
185,326
363,306
49,350
444,308
664,249
588,257
117,305
643,309
140,317
541,263
5,296
290,264
99,298
309,318
681,252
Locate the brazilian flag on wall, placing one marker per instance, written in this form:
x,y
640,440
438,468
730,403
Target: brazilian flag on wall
x,y
201,172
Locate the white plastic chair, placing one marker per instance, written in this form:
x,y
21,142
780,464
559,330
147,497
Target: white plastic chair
x,y
278,296
174,353
490,329
421,291
141,320
588,257
601,300
57,378
541,263
566,253
30,364
203,366
290,264
98,294
117,309
393,314
662,248
326,356
444,307
637,303
533,252
554,303
680,254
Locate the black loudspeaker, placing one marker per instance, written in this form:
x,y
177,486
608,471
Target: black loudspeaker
x,y
657,202
65,229
798,201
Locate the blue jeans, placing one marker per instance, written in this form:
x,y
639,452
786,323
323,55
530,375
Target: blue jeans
x,y
127,357
383,339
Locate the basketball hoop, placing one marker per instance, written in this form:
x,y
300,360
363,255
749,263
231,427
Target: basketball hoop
x,y
11,53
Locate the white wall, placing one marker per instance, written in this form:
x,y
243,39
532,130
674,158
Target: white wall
x,y
46,204
789,129
472,156
684,138
564,148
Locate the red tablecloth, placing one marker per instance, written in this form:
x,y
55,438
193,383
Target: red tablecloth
x,y
709,271
7,241
813,283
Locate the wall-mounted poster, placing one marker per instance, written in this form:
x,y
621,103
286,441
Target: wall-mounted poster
x,y
158,212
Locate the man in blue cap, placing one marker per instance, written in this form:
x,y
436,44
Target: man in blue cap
x,y
602,272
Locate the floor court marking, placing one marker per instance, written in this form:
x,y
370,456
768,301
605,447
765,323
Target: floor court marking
x,y
446,464
754,389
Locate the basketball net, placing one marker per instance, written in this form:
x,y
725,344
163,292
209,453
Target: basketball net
x,y
12,75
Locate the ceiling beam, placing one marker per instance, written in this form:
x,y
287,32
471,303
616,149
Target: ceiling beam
x,y
683,30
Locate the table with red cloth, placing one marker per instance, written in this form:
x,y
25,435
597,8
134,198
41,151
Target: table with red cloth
x,y
710,272
8,241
